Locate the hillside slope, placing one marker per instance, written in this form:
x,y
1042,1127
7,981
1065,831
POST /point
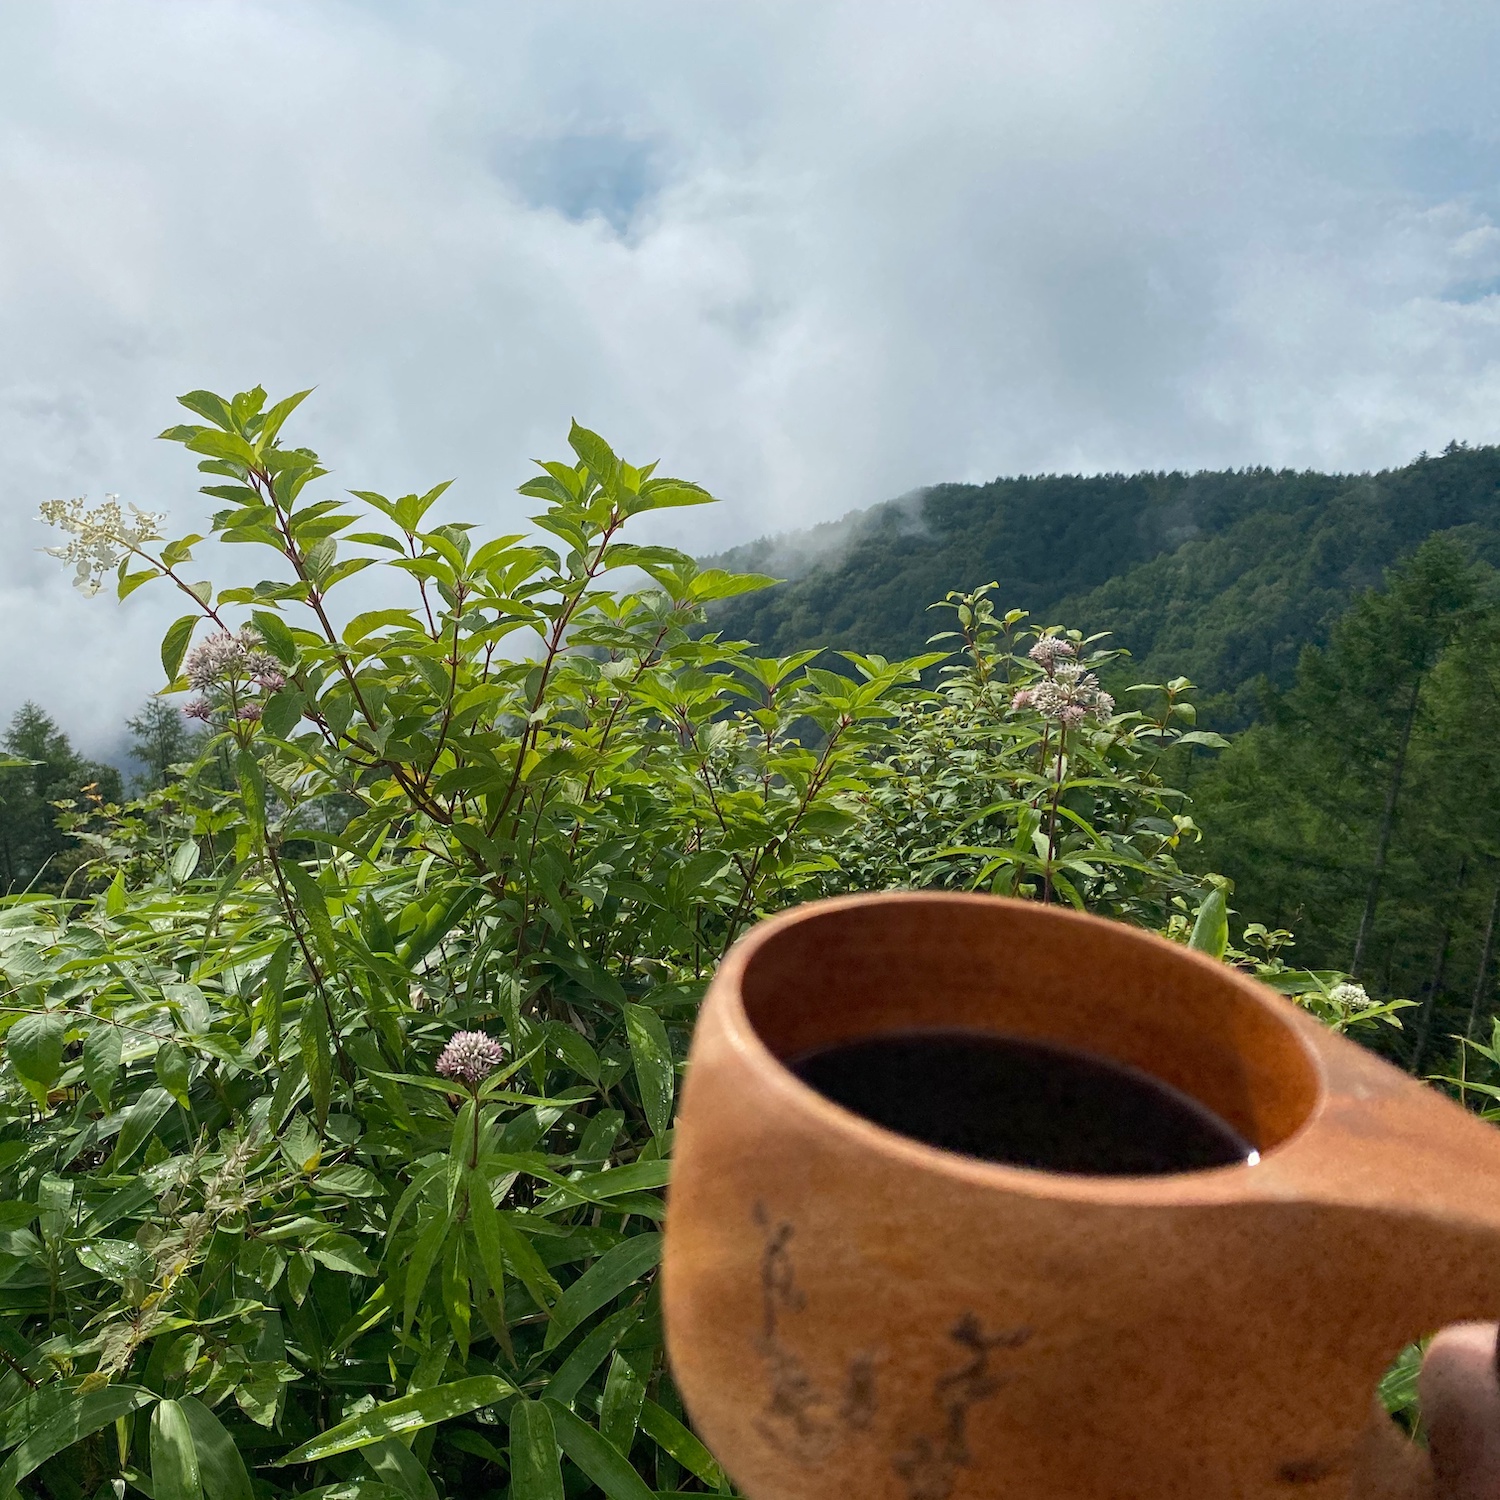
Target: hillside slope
x,y
1218,576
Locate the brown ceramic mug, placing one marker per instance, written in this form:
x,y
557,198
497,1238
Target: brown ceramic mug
x,y
851,1312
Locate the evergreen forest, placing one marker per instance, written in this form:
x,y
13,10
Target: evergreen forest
x,y
1341,631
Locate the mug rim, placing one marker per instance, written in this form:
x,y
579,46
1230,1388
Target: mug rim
x,y
1233,1181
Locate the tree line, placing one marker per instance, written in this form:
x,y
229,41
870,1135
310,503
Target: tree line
x,y
43,777
1361,812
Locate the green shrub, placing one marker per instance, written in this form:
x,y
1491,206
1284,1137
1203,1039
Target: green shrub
x,y
254,1239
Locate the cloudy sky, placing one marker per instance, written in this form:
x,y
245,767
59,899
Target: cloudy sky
x,y
810,254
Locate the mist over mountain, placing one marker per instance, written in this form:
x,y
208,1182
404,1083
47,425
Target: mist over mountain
x,y
1220,576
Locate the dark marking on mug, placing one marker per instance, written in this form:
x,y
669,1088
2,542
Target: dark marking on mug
x,y
929,1463
799,1418
860,1405
1306,1470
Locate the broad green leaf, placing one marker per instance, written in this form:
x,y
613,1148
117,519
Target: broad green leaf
x,y
119,1260
221,1470
258,1391
620,1411
1211,928
174,644
594,451
589,1353
524,1261
172,1072
603,1282
424,1257
669,1434
141,1119
316,1047
185,860
535,1462
484,1227
273,630
62,1422
252,783
115,899
399,1468
206,404
174,1456
651,1055
35,1046
342,1252
102,1050
282,712
313,906
347,1181
405,1414
602,1463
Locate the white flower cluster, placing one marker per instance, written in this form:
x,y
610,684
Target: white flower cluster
x,y
99,537
1350,996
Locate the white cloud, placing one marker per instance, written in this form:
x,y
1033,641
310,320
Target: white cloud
x,y
810,254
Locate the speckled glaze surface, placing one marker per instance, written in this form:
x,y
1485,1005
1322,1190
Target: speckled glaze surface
x,y
851,1312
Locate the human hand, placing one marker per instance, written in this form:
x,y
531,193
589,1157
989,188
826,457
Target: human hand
x,y
1459,1392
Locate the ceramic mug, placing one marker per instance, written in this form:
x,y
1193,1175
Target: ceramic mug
x,y
853,1312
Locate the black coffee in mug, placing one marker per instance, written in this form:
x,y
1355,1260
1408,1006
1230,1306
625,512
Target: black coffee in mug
x,y
1022,1102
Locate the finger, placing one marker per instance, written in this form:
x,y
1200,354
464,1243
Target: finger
x,y
1460,1399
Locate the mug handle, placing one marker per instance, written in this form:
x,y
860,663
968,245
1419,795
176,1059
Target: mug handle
x,y
1415,1180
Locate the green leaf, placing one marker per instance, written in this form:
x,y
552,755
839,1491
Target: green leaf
x,y
174,1458
601,1283
424,1256
651,1055
602,1463
525,1262
206,404
400,1469
282,712
277,635
61,1423
590,1352
174,645
484,1227
313,906
252,784
670,1435
1211,929
115,899
35,1046
140,1121
173,1073
535,1462
118,1260
410,1413
221,1470
316,1049
342,1252
620,1411
102,1050
594,451
185,860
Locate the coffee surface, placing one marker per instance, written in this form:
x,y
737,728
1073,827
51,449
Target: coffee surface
x,y
1024,1103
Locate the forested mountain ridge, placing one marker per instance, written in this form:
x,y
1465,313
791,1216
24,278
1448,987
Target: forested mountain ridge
x,y
1218,576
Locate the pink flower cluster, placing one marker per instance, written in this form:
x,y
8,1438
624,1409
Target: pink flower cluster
x,y
1068,694
470,1057
229,657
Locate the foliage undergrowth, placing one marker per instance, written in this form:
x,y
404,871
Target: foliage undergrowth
x,y
251,1243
